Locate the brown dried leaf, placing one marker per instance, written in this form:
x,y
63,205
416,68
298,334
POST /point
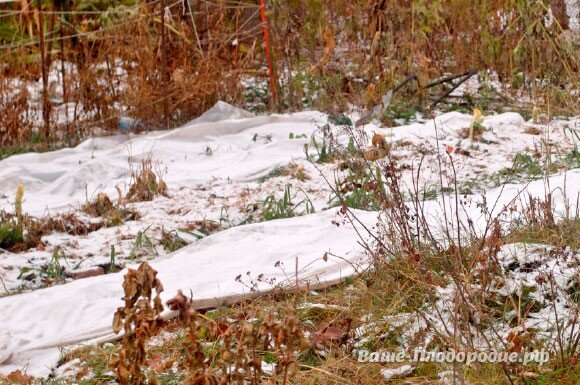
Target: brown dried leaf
x,y
17,377
333,333
81,373
117,322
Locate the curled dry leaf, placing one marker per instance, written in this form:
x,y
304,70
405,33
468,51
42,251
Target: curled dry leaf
x,y
17,377
325,334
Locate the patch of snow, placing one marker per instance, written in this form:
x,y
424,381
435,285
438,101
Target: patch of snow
x,y
401,371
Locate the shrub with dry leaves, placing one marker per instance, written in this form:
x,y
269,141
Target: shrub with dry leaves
x,y
146,183
234,351
139,320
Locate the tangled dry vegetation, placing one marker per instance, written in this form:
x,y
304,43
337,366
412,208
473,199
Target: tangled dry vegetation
x,y
191,54
208,351
146,184
20,231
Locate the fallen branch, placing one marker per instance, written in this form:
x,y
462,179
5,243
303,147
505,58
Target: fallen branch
x,y
463,78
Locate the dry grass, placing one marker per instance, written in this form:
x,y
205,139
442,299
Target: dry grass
x,y
146,184
186,63
113,214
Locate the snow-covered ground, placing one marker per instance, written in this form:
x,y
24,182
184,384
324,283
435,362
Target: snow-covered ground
x,y
534,272
219,168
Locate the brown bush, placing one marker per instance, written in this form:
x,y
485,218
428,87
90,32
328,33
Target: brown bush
x,y
165,69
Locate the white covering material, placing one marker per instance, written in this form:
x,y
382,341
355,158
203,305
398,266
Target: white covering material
x,y
63,179
34,325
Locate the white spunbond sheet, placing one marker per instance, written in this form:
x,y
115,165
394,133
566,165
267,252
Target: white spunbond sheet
x,y
225,142
506,203
33,326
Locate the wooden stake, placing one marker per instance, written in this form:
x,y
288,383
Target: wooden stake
x,y
62,58
45,97
165,75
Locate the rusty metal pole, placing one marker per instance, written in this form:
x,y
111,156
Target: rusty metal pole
x,y
271,73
